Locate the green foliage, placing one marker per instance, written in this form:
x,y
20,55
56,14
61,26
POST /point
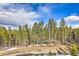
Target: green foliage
x,y
40,33
74,49
50,54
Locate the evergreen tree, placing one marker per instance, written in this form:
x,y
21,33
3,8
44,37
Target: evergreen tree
x,y
62,30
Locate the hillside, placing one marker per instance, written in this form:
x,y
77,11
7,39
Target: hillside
x,y
42,49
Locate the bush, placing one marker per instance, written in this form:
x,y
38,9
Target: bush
x,y
50,53
74,49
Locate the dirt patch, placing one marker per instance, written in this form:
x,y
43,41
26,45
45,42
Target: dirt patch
x,y
37,49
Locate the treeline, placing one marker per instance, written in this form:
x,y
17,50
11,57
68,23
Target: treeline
x,y
39,34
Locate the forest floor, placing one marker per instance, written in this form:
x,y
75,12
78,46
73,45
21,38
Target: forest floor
x,y
37,49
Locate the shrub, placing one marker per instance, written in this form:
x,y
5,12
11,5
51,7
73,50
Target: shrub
x,y
74,49
50,54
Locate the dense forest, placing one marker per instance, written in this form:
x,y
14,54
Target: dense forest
x,y
40,33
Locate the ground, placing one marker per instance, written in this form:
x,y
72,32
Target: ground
x,y
37,49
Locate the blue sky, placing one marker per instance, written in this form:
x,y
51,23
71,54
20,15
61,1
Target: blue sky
x,y
20,14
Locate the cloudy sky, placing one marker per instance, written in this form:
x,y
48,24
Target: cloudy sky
x,y
21,14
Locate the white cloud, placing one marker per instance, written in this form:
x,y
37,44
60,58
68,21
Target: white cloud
x,y
75,26
73,21
4,4
44,9
72,18
17,17
7,26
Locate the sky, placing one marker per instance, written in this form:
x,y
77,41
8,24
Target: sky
x,y
14,14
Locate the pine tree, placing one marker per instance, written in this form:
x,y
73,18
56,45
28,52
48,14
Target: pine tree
x,y
40,29
28,35
35,33
50,30
62,30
